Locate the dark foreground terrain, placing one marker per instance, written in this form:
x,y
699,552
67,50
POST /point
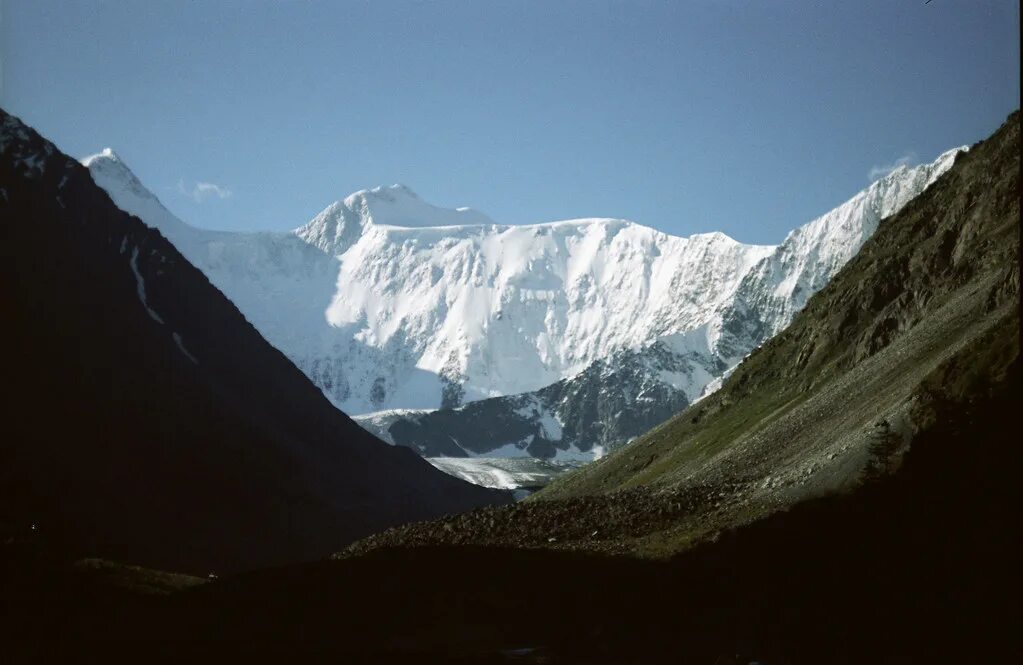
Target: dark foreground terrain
x,y
919,567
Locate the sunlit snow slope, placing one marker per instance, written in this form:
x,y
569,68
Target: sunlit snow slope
x,y
631,390
388,302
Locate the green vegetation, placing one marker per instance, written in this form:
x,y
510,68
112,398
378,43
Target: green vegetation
x,y
135,578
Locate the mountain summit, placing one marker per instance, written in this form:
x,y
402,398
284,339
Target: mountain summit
x,y
341,223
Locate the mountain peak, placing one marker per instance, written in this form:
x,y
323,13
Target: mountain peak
x,y
715,238
386,193
112,174
105,155
107,168
398,205
342,222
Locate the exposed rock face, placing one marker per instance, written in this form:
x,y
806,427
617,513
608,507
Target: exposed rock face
x,y
576,419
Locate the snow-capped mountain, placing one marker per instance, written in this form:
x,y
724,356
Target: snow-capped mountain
x,y
633,390
388,302
447,315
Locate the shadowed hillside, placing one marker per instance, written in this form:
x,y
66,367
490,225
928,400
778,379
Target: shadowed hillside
x,y
147,420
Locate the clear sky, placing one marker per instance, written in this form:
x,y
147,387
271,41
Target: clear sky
x,y
745,117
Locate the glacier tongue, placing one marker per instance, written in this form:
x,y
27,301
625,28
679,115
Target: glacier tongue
x,y
387,302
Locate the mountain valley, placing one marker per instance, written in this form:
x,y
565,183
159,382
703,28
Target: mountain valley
x,y
691,338
839,494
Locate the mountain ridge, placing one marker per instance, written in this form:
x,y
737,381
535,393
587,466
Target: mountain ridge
x,y
623,395
381,315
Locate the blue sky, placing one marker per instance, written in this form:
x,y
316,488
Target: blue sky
x,y
748,118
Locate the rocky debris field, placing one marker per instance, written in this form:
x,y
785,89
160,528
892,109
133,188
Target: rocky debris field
x,y
627,521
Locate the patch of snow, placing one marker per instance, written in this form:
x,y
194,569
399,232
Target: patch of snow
x,y
181,346
550,426
35,164
378,423
140,285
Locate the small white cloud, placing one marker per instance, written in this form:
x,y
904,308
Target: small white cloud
x,y
881,171
202,191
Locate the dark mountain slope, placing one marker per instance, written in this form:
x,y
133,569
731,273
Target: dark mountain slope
x,y
147,420
605,405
